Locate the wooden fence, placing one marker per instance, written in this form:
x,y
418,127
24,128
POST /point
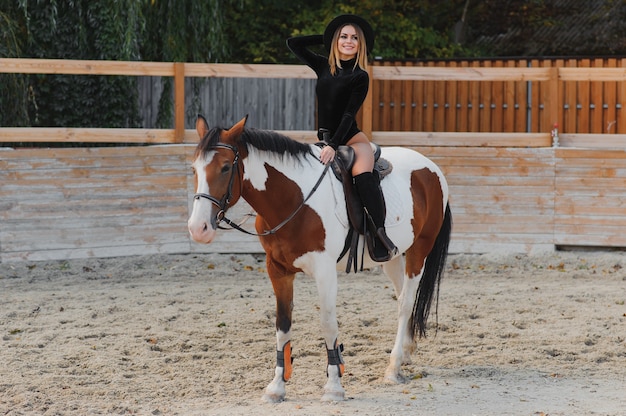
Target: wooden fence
x,y
589,97
509,191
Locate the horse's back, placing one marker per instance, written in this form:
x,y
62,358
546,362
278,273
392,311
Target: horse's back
x,y
406,161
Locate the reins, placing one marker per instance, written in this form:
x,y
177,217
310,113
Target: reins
x,y
222,203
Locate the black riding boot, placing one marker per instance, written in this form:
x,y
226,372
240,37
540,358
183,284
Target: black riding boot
x,y
380,247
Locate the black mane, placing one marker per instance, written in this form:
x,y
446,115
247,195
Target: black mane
x,y
266,140
274,142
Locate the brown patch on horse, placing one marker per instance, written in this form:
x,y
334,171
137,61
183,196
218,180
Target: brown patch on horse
x,y
281,253
428,214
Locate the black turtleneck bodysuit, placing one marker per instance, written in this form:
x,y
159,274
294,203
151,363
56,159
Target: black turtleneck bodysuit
x,y
339,97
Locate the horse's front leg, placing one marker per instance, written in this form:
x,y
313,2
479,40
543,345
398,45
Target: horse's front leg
x,y
283,290
327,288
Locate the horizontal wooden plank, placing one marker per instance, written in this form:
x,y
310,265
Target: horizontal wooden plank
x,y
566,237
85,67
590,221
578,183
591,74
429,73
500,238
590,172
461,139
85,135
585,211
563,155
487,245
593,141
248,71
140,249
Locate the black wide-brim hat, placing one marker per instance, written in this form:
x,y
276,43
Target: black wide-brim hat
x,y
346,19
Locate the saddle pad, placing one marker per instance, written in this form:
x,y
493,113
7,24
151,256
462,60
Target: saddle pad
x,y
392,203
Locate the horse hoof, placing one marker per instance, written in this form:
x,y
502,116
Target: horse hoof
x,y
334,396
395,378
272,398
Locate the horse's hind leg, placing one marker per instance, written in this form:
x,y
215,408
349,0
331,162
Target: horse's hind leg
x,y
283,290
405,343
394,270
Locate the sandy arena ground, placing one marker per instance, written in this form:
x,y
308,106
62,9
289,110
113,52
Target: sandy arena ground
x,y
194,335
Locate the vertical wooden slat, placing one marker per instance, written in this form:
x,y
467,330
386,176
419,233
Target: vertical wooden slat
x,y
508,102
521,101
179,101
450,104
621,101
596,101
417,105
485,103
608,105
461,109
396,104
497,99
407,99
440,101
386,99
535,92
429,101
569,101
551,100
474,101
582,106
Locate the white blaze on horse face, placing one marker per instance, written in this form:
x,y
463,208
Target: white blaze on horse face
x,y
199,223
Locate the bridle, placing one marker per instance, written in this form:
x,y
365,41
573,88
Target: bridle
x,y
223,202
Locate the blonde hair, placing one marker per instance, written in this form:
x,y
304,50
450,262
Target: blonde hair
x,y
361,54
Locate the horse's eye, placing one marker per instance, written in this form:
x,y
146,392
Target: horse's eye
x,y
225,168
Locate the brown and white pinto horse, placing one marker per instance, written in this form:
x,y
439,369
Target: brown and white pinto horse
x,y
303,224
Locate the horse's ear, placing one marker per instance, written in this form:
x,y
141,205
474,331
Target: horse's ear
x,y
202,127
237,129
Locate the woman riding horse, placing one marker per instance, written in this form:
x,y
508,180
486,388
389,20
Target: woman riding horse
x,y
342,85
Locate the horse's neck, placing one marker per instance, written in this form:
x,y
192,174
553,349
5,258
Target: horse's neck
x,y
274,184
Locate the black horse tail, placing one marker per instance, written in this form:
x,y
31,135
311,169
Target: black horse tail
x,y
431,278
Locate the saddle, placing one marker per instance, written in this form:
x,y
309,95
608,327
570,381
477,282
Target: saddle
x,y
342,169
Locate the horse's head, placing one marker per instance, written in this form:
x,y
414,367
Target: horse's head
x,y
217,178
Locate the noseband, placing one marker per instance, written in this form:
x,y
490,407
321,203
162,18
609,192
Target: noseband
x,y
222,203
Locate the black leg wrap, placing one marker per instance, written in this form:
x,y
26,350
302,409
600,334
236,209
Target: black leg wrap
x,y
335,358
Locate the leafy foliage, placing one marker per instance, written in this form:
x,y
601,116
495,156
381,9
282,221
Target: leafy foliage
x,y
13,87
83,29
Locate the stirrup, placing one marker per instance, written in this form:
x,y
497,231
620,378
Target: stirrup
x,y
389,245
374,242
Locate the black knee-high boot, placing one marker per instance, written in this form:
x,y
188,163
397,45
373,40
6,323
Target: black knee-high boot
x,y
380,247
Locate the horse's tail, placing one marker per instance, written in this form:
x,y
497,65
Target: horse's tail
x,y
429,284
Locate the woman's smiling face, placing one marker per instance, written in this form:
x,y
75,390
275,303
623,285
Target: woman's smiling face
x,y
347,43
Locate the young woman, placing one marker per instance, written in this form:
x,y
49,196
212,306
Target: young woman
x,y
342,85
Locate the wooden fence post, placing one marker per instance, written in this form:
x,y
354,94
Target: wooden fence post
x,y
554,101
179,102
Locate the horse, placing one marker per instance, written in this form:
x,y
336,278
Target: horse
x,y
302,224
